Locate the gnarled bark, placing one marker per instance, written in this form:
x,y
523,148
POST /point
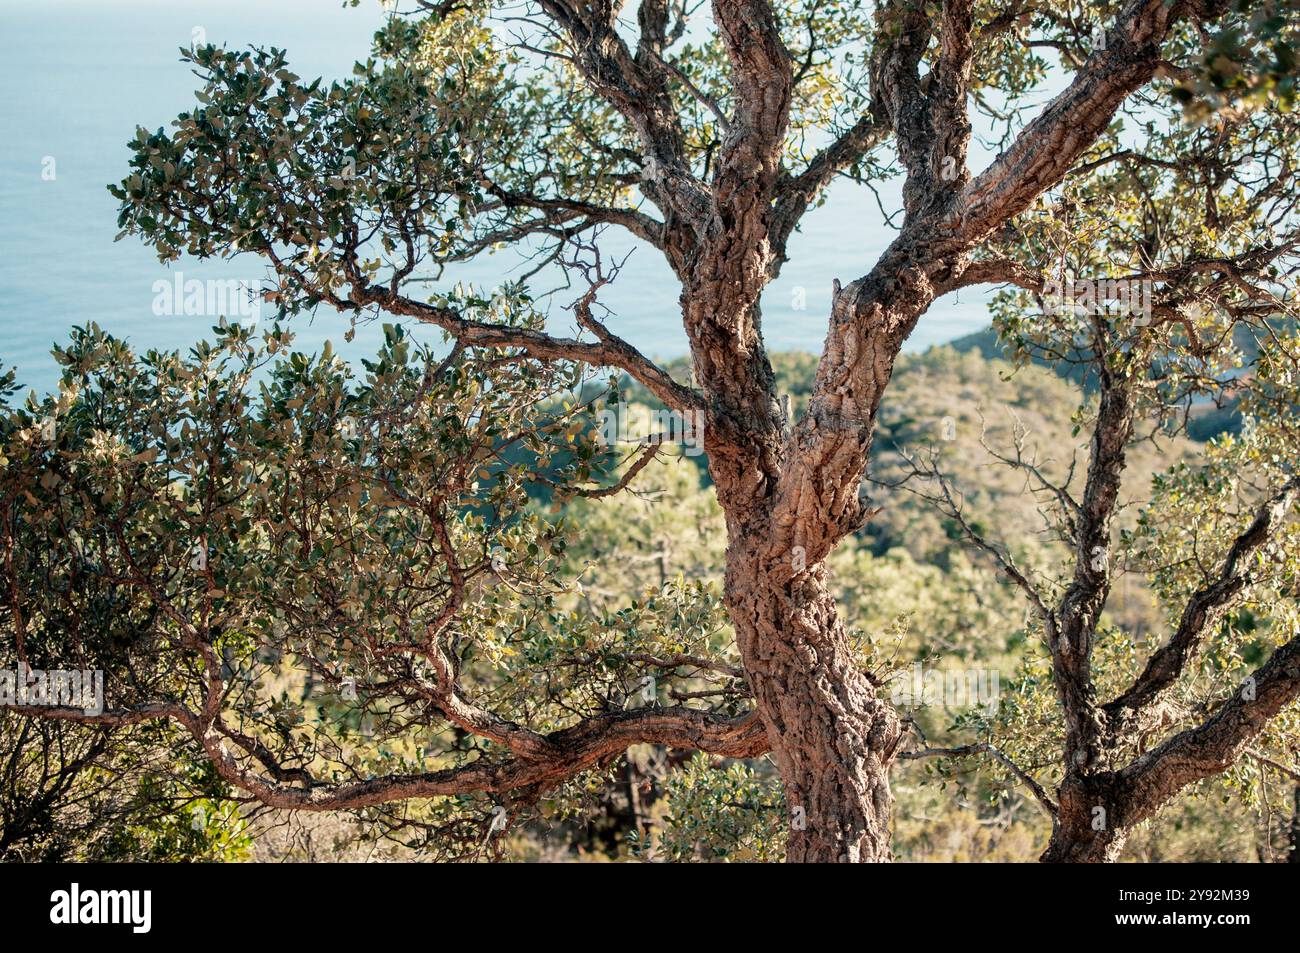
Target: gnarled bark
x,y
832,737
1086,829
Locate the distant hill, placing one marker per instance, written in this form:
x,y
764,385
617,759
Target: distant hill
x,y
1205,423
960,405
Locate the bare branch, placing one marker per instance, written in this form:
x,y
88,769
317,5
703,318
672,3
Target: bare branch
x,y
965,751
611,351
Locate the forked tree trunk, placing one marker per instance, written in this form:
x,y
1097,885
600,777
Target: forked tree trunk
x,y
833,739
1086,830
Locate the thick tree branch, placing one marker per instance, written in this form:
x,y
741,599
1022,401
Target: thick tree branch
x,y
570,751
796,193
638,87
949,117
898,100
1166,665
1081,605
1048,147
746,174
1216,744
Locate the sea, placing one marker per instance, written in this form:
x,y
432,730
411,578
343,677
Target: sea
x,y
78,77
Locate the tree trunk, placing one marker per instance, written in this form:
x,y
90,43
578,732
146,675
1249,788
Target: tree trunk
x,y
832,738
1293,841
1085,830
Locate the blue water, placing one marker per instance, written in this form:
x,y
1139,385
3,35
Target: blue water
x,y
79,75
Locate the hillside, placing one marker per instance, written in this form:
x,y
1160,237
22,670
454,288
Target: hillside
x,y
1205,421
